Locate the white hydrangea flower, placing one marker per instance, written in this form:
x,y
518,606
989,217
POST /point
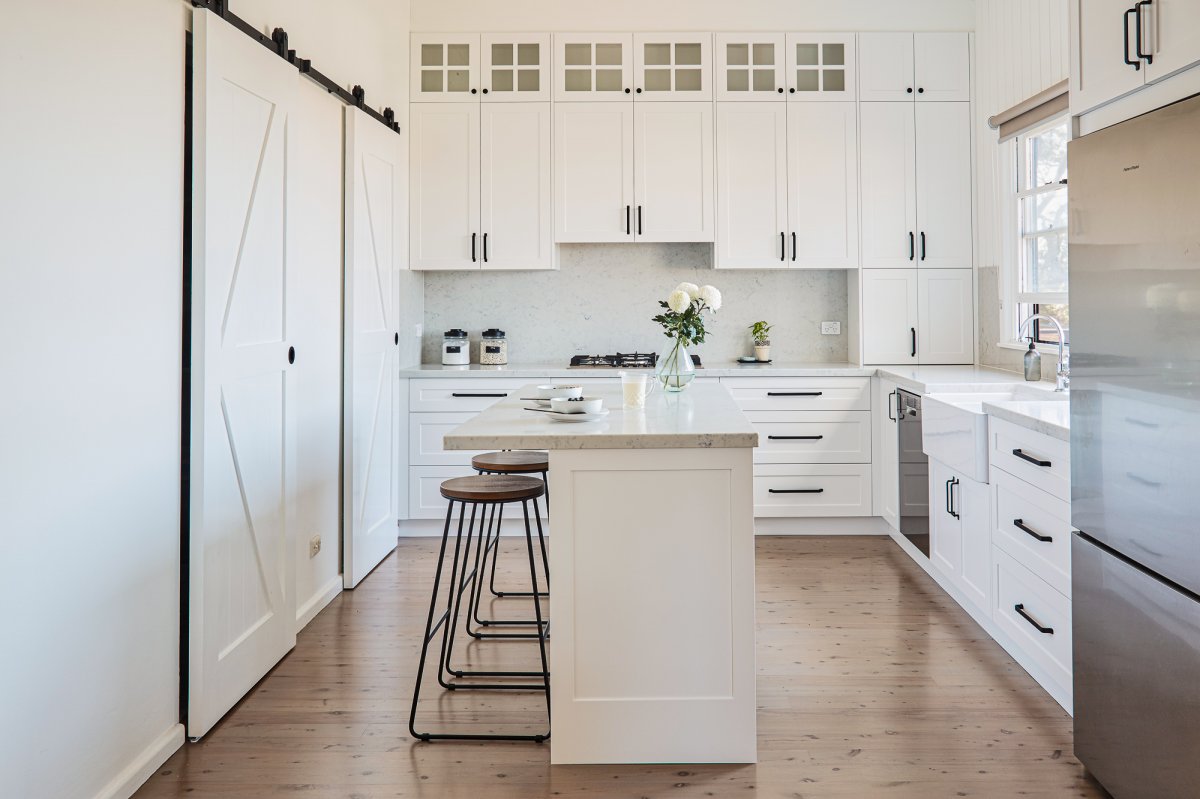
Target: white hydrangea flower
x,y
679,301
693,291
711,297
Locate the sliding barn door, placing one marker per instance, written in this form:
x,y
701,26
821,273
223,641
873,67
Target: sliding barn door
x,y
374,238
241,608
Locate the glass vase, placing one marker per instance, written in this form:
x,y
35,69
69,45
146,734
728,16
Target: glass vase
x,y
675,370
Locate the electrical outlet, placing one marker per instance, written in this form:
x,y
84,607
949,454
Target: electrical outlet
x,y
314,546
418,330
831,328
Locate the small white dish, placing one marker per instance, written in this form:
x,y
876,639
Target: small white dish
x,y
552,391
577,417
577,404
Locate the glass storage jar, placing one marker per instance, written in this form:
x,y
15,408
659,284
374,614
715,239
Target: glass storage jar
x,y
493,348
456,348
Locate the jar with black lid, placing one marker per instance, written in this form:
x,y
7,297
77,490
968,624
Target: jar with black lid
x,y
493,348
456,348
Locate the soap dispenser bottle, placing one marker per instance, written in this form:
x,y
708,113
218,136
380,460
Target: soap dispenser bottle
x,y
1033,363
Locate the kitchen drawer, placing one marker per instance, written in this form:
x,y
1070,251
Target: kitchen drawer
x,y
812,436
838,490
1047,652
1017,502
1009,442
462,394
425,500
425,432
800,393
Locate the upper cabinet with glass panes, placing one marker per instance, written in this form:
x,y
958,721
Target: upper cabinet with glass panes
x,y
821,66
453,67
445,67
516,67
672,66
750,66
595,66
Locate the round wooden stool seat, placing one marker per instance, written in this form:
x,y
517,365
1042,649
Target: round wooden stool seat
x,y
493,488
513,462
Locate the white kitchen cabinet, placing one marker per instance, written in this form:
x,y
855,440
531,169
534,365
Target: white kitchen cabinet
x,y
889,185
673,163
752,189
444,67
672,66
444,185
944,196
822,185
914,67
1172,35
516,222
749,66
959,533
593,66
1104,61
593,172
821,66
887,453
889,316
945,316
515,67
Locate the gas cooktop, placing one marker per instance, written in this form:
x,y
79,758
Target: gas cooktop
x,y
622,360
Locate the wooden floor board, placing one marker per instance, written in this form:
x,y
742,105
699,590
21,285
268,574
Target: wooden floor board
x,y
871,683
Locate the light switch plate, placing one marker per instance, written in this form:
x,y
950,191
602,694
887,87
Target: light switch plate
x,y
418,330
831,328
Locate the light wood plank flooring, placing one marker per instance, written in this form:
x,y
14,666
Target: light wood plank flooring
x,y
872,683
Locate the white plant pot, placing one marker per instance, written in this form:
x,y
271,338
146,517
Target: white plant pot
x,y
762,353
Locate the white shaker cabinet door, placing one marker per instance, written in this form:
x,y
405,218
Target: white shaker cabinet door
x,y
944,197
749,66
823,185
593,66
942,66
889,314
885,67
946,329
444,185
516,213
889,180
444,67
821,66
1171,34
673,171
752,212
593,172
1103,52
672,66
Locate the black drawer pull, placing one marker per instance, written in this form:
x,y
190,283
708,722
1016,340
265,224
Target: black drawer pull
x,y
1020,525
1020,609
1035,461
794,393
794,438
795,491
478,395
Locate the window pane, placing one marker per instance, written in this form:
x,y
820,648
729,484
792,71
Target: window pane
x,y
833,54
1046,263
806,54
502,55
737,54
656,54
528,55
1047,155
1047,333
688,54
764,54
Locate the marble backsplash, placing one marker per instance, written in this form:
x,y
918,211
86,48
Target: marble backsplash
x,y
602,297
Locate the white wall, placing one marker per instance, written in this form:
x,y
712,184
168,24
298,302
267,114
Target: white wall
x,y
644,15
1021,48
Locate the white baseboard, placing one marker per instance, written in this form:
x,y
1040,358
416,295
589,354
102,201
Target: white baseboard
x,y
324,595
831,525
126,783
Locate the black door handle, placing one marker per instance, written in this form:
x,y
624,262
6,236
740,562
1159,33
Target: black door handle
x,y
1035,461
628,209
912,246
472,248
1020,525
892,404
1137,65
1149,57
396,339
922,245
950,484
639,220
782,246
1020,609
793,245
795,438
477,395
795,491
485,248
291,354
948,510
913,332
794,393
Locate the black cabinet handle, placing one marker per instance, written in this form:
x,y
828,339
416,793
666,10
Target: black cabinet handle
x,y
485,248
950,484
473,91
780,90
921,90
791,91
782,246
627,91
1020,525
628,210
922,245
794,393
472,248
396,339
455,394
485,91
291,354
913,332
892,404
1020,609
1137,65
912,246
1035,461
795,491
639,220
1149,57
909,90
793,245
639,91
795,438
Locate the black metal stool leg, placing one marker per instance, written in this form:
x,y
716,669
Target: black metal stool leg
x,y
451,594
430,629
537,608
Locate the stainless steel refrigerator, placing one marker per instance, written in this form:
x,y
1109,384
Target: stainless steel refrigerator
x,y
1134,231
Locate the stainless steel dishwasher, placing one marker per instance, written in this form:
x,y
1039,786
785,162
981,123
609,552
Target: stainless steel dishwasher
x,y
914,472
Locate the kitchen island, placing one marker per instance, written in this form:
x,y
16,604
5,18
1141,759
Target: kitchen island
x,y
652,568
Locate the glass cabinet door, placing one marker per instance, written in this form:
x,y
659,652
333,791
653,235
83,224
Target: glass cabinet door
x,y
515,67
750,66
672,66
593,66
445,67
821,66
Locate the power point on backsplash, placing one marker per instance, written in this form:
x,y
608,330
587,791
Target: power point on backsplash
x,y
418,330
831,328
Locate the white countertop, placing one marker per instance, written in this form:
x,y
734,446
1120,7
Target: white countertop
x,y
704,416
1048,417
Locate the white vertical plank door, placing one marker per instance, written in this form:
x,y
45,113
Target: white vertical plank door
x,y
242,573
374,243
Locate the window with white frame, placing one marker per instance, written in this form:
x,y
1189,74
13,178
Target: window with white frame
x,y
1039,271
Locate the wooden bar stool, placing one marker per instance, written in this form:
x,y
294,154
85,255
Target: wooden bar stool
x,y
483,493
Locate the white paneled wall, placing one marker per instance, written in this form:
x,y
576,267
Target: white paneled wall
x,y
1021,48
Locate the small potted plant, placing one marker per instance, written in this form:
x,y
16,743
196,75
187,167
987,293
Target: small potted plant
x,y
760,332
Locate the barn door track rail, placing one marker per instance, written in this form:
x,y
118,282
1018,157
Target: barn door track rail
x,y
277,43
